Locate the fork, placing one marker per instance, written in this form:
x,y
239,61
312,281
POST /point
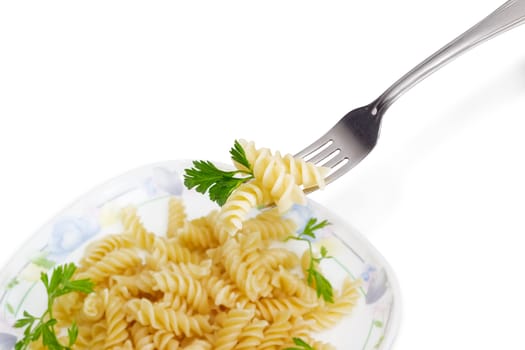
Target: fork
x,y
356,134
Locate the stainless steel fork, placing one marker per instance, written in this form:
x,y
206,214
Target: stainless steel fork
x,y
356,134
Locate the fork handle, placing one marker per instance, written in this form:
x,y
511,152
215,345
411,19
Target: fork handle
x,y
509,15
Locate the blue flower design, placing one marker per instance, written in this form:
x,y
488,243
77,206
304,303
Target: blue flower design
x,y
7,341
70,232
300,214
7,338
369,269
377,285
149,187
164,180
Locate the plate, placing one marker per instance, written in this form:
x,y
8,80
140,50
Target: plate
x,y
372,325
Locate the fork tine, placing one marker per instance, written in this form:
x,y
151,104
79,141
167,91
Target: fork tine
x,y
316,145
332,162
325,153
340,168
347,143
343,166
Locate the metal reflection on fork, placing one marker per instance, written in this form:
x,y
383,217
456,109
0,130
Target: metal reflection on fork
x,y
356,134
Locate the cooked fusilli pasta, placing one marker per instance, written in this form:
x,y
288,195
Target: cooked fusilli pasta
x,y
218,281
176,216
234,212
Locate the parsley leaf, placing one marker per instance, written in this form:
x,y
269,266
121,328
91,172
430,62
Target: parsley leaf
x,y
312,225
314,277
43,327
302,345
324,252
205,177
72,333
239,155
323,287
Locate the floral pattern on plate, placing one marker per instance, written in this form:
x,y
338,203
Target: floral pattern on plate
x,y
373,324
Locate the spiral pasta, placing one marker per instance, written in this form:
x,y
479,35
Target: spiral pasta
x,y
231,328
165,340
251,335
132,223
114,263
326,315
161,318
277,333
174,280
198,234
270,225
253,281
281,185
222,291
291,284
246,197
97,250
304,173
269,308
176,216
141,337
98,336
93,307
116,331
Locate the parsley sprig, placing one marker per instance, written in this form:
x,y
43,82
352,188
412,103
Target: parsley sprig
x,y
301,345
206,177
59,284
314,277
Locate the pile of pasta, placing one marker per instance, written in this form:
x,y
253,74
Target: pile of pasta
x,y
200,286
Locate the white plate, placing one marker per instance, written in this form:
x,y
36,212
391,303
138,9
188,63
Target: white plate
x,y
372,325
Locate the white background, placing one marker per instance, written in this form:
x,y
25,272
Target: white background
x,y
89,90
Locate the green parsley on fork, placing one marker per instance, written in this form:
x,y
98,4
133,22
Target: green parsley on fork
x,y
205,177
43,326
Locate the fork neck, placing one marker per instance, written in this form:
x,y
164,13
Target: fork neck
x,y
509,15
